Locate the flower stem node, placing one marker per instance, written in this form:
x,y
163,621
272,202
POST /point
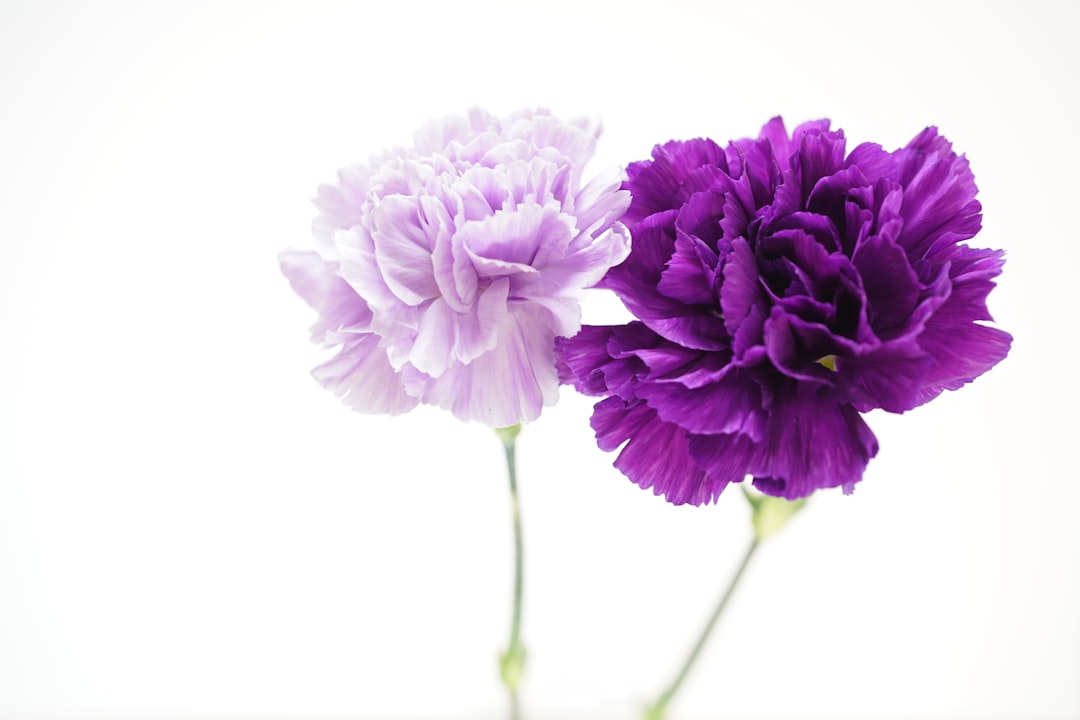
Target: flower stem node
x,y
770,514
512,667
654,712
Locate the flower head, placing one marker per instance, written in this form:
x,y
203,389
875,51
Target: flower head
x,y
784,286
445,272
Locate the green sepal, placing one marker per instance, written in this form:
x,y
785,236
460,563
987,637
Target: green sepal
x,y
508,434
770,514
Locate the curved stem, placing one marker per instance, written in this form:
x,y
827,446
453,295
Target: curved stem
x,y
512,662
657,709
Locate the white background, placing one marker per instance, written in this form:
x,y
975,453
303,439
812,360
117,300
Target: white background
x,y
191,527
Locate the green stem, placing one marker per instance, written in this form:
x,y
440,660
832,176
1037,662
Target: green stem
x,y
657,709
512,662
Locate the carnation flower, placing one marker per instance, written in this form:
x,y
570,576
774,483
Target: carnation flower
x,y
444,273
783,287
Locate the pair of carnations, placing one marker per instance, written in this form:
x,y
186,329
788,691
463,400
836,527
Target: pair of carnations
x,y
783,286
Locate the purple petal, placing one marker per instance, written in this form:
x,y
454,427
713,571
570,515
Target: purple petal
x,y
731,404
688,277
820,155
656,184
892,288
890,378
939,199
582,357
810,443
961,348
872,161
656,454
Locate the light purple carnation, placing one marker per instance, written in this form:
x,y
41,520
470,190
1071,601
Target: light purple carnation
x,y
783,287
445,272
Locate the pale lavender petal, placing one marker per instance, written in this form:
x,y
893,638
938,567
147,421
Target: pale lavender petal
x,y
463,258
362,377
403,251
599,204
559,287
434,342
318,283
340,206
523,240
434,135
477,331
453,271
564,311
583,267
446,336
395,322
512,383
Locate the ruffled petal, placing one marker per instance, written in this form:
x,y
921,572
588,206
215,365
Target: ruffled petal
x,y
394,321
740,294
403,251
890,378
810,444
319,284
363,378
731,404
560,287
892,288
511,383
690,274
820,155
939,196
340,206
581,358
960,347
656,454
782,288
656,185
517,242
446,336
599,204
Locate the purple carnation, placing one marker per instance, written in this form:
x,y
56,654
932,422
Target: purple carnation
x,y
783,287
444,273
